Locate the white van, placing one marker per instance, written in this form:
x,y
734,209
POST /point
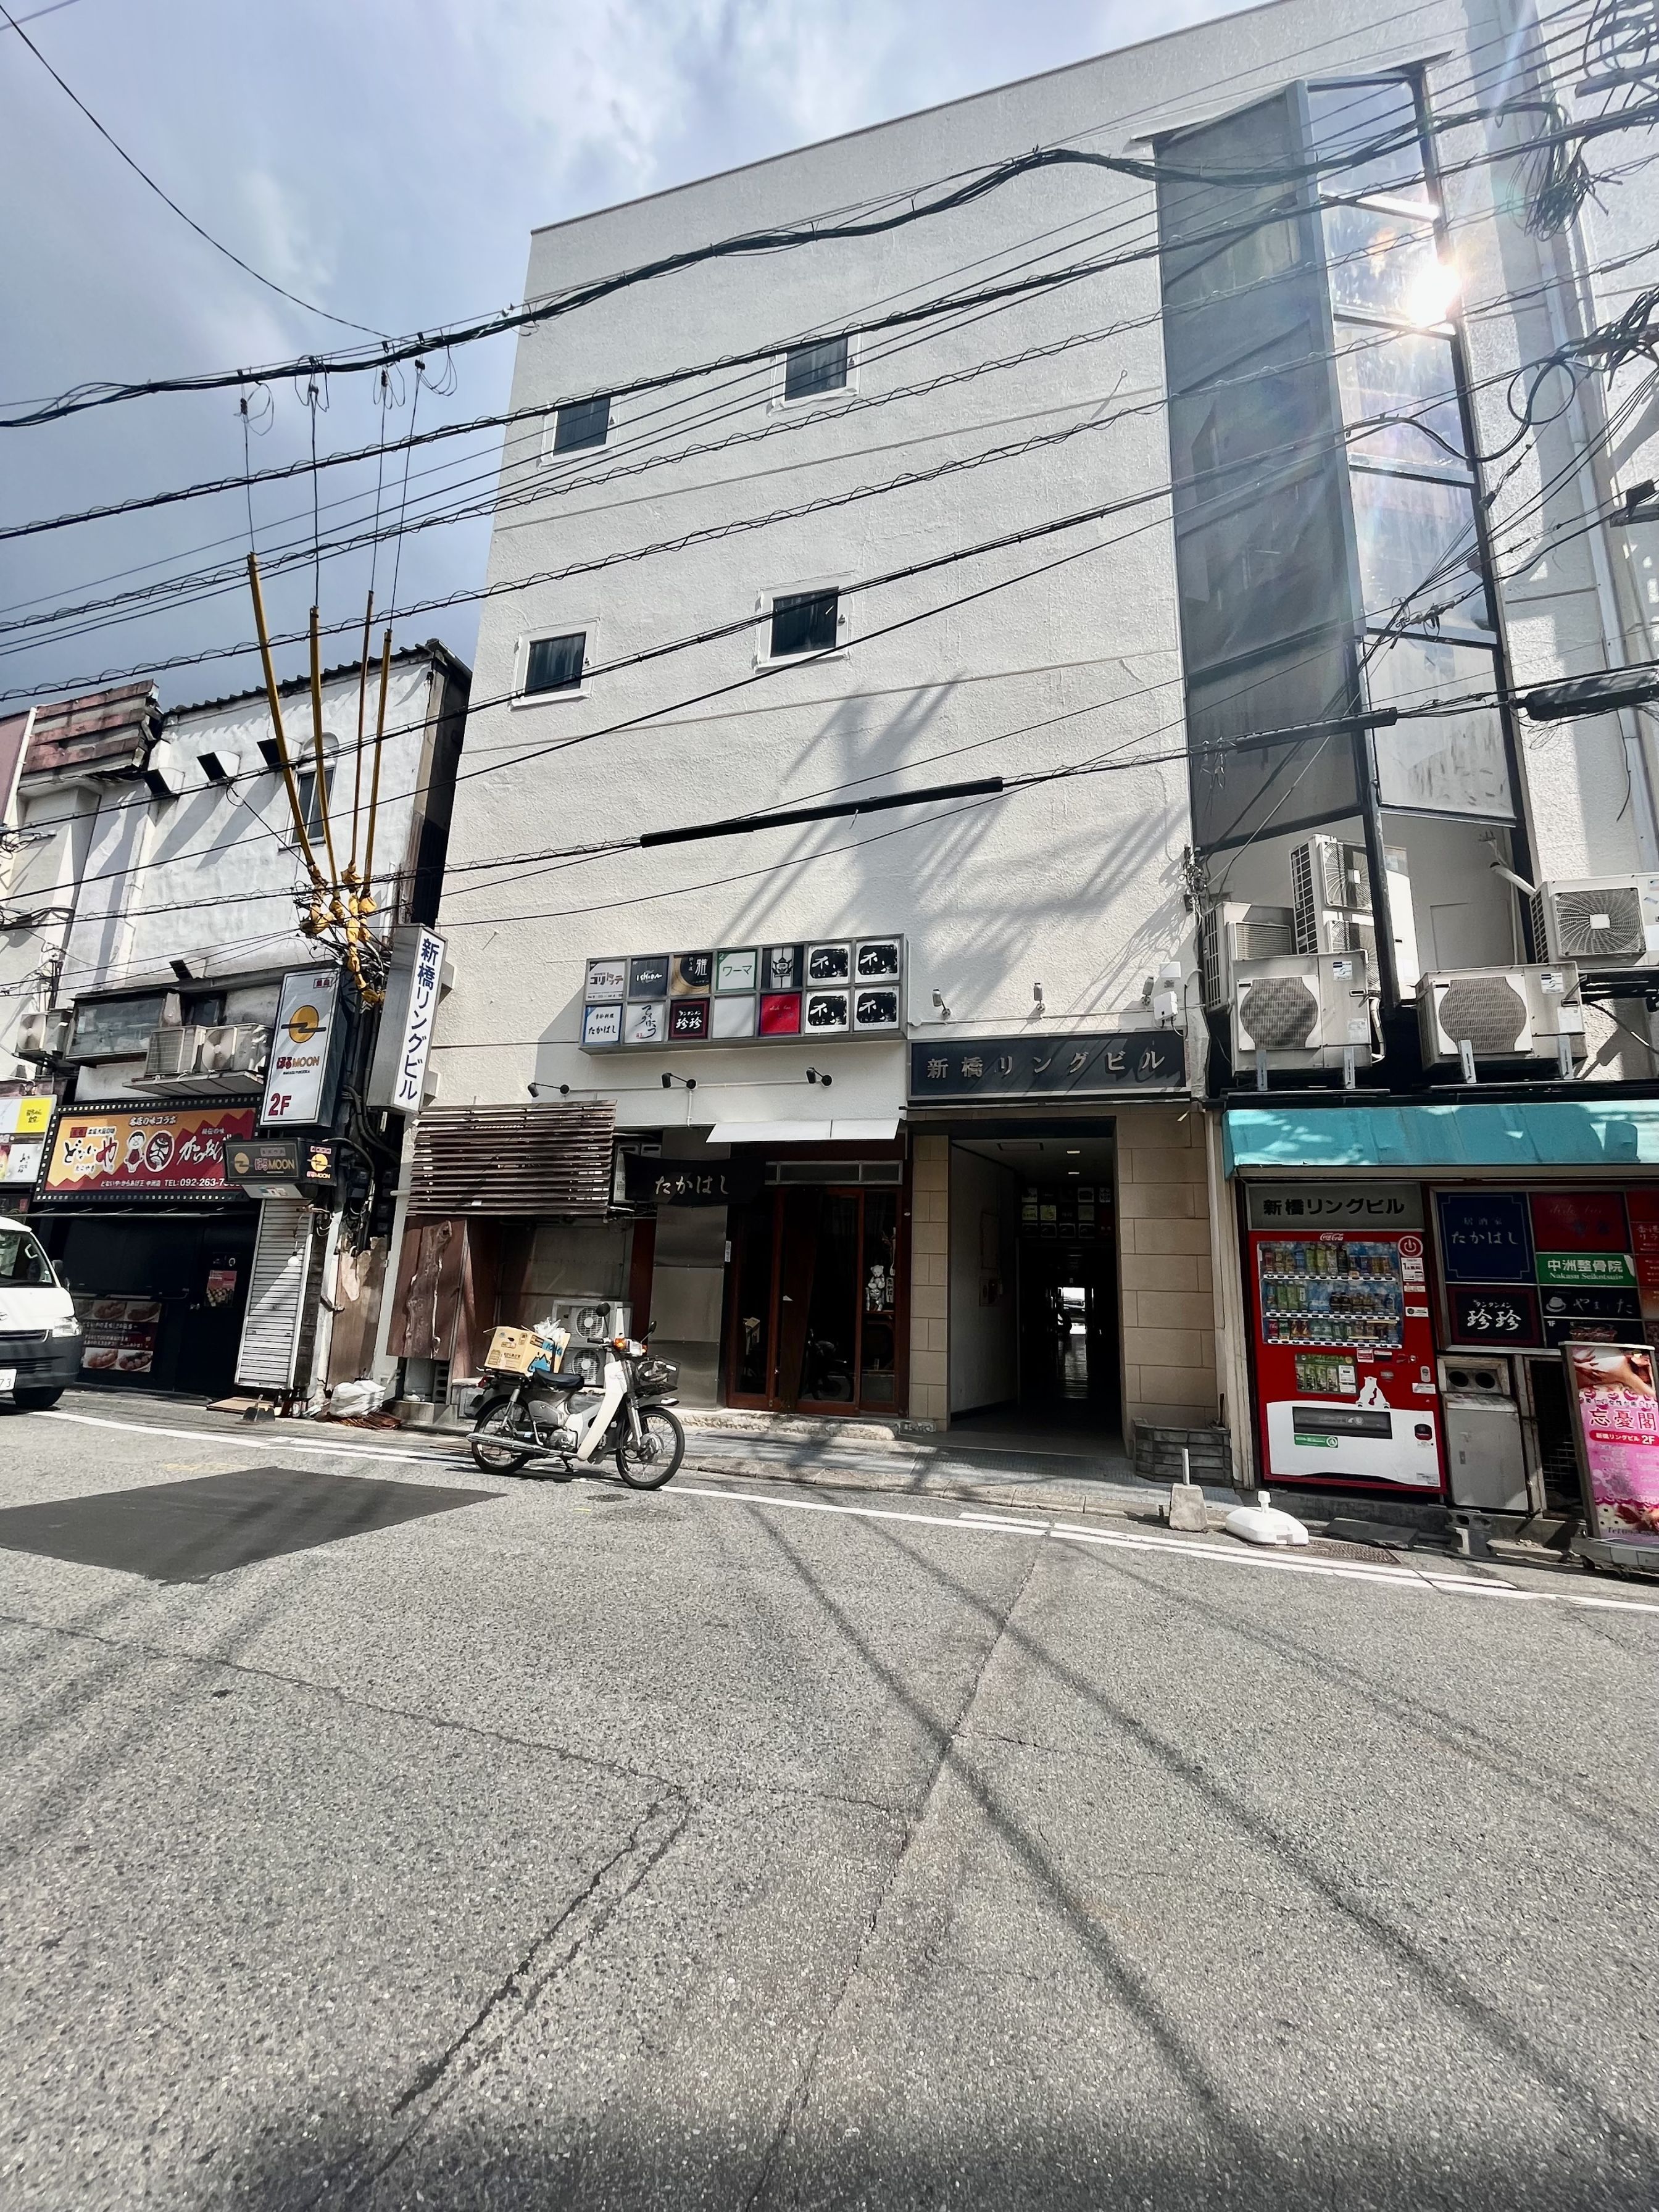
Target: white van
x,y
39,1336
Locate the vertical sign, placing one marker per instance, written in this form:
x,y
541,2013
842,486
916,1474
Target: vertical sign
x,y
1615,1410
414,985
306,1016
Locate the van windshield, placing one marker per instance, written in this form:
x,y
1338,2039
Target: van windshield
x,y
21,1259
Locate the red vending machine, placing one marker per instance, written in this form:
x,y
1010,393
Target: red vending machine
x,y
1345,1370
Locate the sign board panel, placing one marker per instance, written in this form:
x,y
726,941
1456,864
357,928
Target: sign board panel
x,y
1615,1408
303,1051
819,993
166,1151
1356,1205
1064,1065
651,1180
396,1081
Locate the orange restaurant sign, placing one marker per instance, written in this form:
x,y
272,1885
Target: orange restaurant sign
x,y
110,1152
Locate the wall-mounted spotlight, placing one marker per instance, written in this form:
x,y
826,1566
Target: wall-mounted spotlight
x,y
537,1089
670,1080
1037,1006
943,1011
813,1076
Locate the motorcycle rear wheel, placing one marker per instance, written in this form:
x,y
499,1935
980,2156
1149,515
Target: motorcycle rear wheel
x,y
495,1458
655,1458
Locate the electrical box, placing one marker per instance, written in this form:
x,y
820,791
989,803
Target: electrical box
x,y
1486,1463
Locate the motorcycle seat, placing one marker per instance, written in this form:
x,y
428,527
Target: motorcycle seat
x,y
562,1382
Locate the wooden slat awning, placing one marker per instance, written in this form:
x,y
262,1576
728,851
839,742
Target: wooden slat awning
x,y
513,1161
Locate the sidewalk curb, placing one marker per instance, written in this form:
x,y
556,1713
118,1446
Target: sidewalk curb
x,y
1045,1498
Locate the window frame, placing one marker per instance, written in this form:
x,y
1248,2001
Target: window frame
x,y
552,451
764,656
583,626
847,389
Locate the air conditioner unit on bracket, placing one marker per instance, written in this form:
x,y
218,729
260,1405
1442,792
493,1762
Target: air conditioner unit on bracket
x,y
42,1036
1331,888
1500,1013
1303,1010
1598,922
242,1049
173,1052
1232,931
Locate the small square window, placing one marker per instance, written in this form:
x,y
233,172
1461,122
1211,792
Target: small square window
x,y
804,621
554,664
588,423
811,369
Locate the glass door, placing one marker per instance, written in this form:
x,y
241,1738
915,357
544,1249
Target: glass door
x,y
814,1321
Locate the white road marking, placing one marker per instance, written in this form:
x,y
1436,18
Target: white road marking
x,y
277,1434
965,1522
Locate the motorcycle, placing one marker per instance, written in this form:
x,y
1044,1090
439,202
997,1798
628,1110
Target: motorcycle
x,y
548,1413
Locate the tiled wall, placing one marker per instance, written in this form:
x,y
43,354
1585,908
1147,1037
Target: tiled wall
x,y
930,1279
1163,1244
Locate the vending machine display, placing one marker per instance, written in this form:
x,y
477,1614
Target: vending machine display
x,y
1346,1381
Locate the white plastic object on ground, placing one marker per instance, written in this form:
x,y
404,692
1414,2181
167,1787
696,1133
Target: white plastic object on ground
x,y
1265,1524
359,1397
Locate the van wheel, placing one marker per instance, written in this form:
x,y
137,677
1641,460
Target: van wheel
x,y
36,1402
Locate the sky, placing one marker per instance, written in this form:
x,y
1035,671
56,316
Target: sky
x,y
386,161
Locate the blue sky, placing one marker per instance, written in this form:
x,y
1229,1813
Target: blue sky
x,y
387,160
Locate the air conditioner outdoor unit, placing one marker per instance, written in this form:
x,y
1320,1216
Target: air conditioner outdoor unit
x,y
238,1050
172,1053
591,1321
1232,931
1500,1013
1302,1010
42,1036
1331,887
1599,922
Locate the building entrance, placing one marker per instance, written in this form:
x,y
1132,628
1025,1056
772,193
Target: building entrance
x,y
1033,1283
814,1293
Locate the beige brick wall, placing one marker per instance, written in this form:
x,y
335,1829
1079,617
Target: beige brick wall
x,y
1168,1295
930,1279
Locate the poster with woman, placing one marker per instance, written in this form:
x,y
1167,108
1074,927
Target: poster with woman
x,y
1616,1427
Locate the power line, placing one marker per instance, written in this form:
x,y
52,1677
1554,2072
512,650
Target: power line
x,y
754,243
166,197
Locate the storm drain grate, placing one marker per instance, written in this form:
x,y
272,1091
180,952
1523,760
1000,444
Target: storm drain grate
x,y
185,1532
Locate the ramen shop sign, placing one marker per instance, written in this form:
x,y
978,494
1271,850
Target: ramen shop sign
x,y
302,1057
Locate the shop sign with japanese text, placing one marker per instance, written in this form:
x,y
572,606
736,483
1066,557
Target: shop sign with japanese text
x,y
1355,1206
1048,1066
650,1181
301,1051
396,1081
161,1152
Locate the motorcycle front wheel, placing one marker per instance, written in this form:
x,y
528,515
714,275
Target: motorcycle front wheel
x,y
649,1463
489,1442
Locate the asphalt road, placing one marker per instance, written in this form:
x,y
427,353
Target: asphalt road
x,y
742,1847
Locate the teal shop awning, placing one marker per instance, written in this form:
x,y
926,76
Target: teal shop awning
x,y
1520,1137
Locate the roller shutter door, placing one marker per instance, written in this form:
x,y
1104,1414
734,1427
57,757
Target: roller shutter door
x,y
277,1295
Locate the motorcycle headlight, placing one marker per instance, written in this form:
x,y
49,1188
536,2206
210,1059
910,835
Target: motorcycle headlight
x,y
69,1328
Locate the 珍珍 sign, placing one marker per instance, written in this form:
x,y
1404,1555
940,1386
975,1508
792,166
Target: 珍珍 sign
x,y
1046,1066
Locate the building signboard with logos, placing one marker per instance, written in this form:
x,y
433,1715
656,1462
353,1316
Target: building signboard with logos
x,y
305,1051
1530,1270
102,1153
24,1123
818,993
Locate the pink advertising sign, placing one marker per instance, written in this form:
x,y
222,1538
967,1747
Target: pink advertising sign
x,y
1616,1423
